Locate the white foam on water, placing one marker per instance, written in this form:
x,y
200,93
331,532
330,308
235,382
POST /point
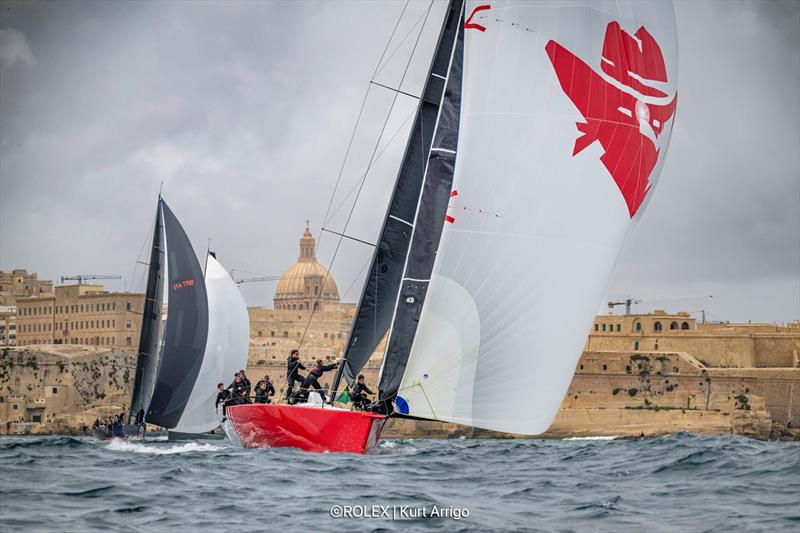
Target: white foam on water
x,y
138,447
600,437
388,444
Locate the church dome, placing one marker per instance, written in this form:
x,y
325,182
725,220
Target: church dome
x,y
300,286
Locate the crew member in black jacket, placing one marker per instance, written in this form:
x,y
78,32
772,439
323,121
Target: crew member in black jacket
x,y
311,384
360,399
264,390
293,367
223,396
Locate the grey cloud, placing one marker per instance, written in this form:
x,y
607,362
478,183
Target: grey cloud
x,y
244,110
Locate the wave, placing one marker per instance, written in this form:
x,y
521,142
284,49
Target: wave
x,y
609,437
138,447
41,442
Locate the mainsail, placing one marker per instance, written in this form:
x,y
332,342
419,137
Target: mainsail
x,y
535,218
186,330
377,302
147,359
225,350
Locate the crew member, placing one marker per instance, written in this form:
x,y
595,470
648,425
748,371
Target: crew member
x,y
268,387
223,397
311,383
264,390
360,391
246,382
239,390
293,367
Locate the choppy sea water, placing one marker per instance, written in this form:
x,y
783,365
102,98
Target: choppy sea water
x,y
675,483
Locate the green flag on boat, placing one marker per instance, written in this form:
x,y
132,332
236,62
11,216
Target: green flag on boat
x,y
344,397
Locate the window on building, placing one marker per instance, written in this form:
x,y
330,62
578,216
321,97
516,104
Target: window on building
x,y
597,327
81,308
685,325
657,326
636,345
259,333
271,333
673,325
127,341
114,306
285,334
637,326
326,335
619,327
604,327
129,323
129,306
605,367
55,390
316,291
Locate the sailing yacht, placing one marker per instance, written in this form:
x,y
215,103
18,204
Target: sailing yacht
x,y
538,140
205,338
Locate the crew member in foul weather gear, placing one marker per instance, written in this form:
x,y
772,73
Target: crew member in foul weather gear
x,y
311,384
264,390
246,382
293,367
223,397
239,391
360,391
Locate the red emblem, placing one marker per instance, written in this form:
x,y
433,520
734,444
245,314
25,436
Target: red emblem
x,y
626,113
469,25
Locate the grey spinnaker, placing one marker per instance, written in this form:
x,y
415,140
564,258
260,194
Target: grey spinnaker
x,y
430,215
186,330
377,303
147,359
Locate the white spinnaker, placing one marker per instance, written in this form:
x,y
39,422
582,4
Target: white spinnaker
x,y
226,349
520,272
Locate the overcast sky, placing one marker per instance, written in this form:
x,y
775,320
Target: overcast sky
x,y
245,111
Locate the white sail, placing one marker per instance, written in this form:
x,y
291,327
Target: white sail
x,y
566,116
226,349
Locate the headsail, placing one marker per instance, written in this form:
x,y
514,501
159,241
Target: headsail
x,y
225,351
186,330
537,218
147,359
377,302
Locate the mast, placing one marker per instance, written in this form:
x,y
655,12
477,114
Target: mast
x,y
147,358
377,301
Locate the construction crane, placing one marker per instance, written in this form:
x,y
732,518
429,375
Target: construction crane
x,y
80,278
257,279
628,302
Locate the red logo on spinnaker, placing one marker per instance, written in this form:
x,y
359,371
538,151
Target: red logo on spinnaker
x,y
627,112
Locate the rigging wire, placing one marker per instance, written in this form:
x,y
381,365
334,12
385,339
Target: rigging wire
x,y
371,160
360,113
364,176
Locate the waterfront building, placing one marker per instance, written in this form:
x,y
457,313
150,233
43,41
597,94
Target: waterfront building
x,y
8,325
80,314
19,283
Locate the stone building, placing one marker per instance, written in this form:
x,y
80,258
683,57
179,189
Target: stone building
x,y
80,314
715,345
307,315
8,325
306,284
19,283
